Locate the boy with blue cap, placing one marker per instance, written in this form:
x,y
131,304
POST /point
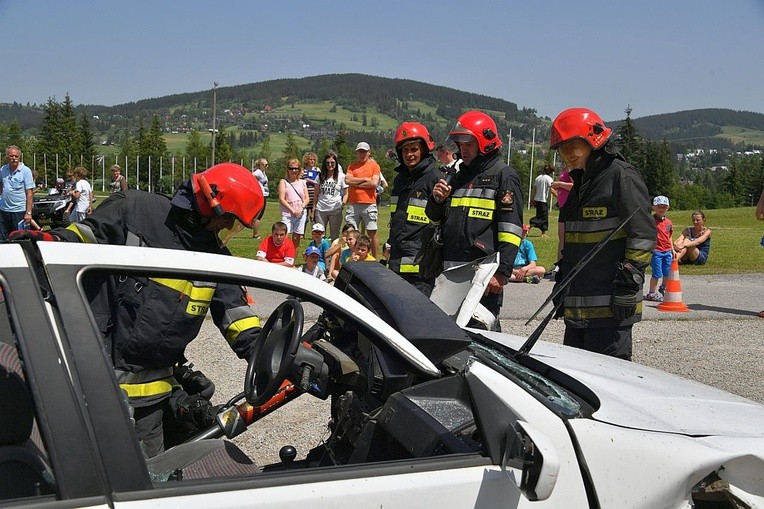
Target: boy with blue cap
x,y
664,250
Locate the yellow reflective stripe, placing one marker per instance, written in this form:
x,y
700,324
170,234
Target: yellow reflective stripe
x,y
393,207
239,326
594,312
409,269
591,238
509,238
149,388
638,255
468,201
83,238
187,287
416,215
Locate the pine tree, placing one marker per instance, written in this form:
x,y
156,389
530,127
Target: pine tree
x,y
631,143
265,149
196,149
291,150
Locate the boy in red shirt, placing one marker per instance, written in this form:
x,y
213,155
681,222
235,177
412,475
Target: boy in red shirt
x,y
664,249
276,247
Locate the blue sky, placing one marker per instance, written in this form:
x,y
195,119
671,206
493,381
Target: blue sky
x,y
658,56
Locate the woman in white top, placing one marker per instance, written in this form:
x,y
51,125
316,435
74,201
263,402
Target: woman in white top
x,y
293,198
261,166
82,194
331,195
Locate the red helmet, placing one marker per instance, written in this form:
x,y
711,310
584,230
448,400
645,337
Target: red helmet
x,y
478,126
409,131
579,123
228,188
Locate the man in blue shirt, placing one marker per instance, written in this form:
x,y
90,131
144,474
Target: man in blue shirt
x,y
17,192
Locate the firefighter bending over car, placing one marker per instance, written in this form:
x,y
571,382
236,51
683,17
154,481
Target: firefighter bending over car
x,y
484,211
146,323
604,300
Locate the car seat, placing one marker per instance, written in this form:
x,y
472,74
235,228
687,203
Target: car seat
x,y
24,470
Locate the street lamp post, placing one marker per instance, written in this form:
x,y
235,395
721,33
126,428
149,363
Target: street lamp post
x,y
214,107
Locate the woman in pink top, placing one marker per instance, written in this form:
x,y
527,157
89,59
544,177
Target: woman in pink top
x,y
293,199
561,187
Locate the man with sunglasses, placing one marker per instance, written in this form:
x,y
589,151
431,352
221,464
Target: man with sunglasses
x,y
17,190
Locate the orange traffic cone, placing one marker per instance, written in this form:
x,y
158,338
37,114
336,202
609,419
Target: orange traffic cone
x,y
672,300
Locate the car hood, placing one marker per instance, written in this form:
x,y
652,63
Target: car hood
x,y
639,397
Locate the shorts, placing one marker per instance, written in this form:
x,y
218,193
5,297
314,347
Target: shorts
x,y
295,224
661,264
700,260
362,212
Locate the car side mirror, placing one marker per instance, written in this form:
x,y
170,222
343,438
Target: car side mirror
x,y
530,460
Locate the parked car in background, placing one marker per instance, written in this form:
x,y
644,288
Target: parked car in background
x,y
423,412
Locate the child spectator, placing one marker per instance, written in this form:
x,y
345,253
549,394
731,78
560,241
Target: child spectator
x,y
276,247
335,251
320,243
664,249
311,265
694,243
525,268
361,250
351,236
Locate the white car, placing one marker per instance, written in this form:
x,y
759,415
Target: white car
x,y
424,413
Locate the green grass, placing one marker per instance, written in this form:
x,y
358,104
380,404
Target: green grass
x,y
735,238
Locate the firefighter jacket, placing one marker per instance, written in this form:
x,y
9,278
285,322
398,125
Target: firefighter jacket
x,y
147,322
483,215
602,197
411,190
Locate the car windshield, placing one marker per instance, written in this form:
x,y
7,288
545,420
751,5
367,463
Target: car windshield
x,y
548,392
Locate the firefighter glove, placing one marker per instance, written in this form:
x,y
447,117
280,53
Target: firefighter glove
x,y
195,410
194,381
627,287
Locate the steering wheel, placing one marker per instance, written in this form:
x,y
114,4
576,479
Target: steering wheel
x,y
274,352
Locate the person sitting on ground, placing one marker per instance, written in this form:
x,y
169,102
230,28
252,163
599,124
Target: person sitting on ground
x,y
311,266
320,243
276,247
524,269
351,237
694,243
663,253
361,250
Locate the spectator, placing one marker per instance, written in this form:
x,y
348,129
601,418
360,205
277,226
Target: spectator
x,y
381,188
311,266
331,196
344,256
541,187
481,210
277,248
310,175
261,167
415,178
293,198
118,181
446,156
361,250
336,249
363,178
525,268
694,243
660,263
320,243
82,196
601,304
17,192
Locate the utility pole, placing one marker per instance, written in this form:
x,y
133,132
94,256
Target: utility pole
x,y
214,107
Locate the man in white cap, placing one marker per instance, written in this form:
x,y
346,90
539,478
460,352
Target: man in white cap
x,y
362,178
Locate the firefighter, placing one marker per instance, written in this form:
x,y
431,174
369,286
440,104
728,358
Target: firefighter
x,y
481,209
146,323
605,299
412,187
